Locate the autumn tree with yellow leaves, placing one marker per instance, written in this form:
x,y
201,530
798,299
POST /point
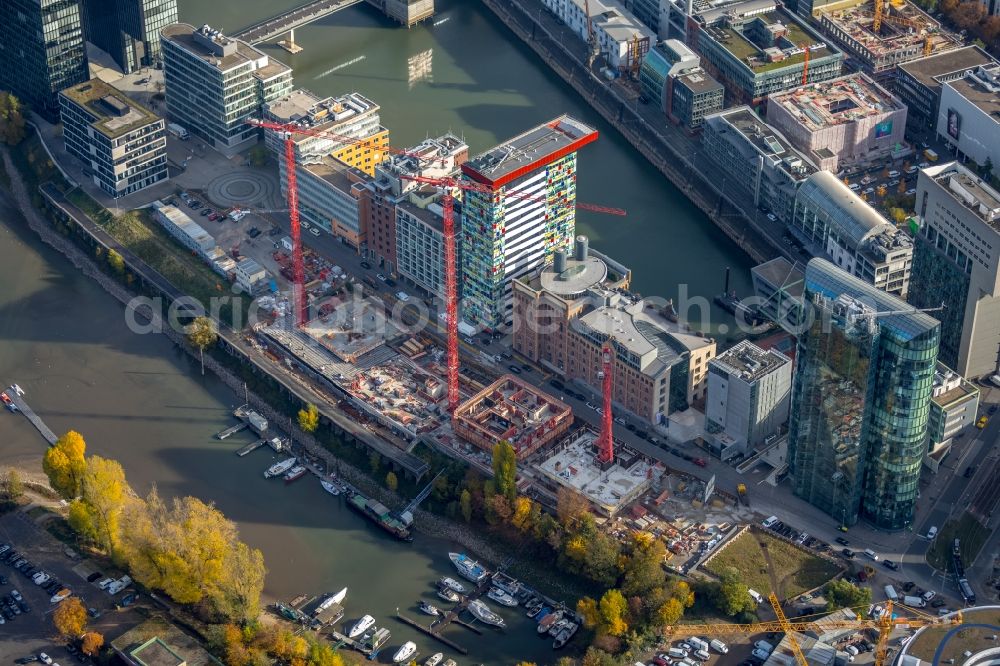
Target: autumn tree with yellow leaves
x,y
70,617
64,464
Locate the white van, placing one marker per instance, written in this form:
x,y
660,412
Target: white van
x,y
871,555
718,646
932,532
677,653
765,646
851,650
697,643
760,654
770,521
702,655
890,593
755,595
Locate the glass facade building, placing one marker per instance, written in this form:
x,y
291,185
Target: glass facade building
x,y
860,400
129,30
41,46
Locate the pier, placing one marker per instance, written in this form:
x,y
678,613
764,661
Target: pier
x,y
251,447
30,414
232,430
428,630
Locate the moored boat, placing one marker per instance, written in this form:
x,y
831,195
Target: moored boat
x,y
8,402
361,626
532,606
450,662
467,567
379,514
546,622
558,627
429,609
434,659
405,653
331,600
484,613
330,487
564,637
295,473
279,468
501,597
374,640
452,584
449,595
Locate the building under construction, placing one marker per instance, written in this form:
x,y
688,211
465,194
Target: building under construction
x,y
512,410
882,34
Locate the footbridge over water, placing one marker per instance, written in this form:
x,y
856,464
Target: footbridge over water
x,y
406,12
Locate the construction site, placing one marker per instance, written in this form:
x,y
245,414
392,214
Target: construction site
x,y
882,33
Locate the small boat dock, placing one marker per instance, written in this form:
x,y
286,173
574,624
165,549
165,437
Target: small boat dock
x,y
251,447
248,419
18,400
434,632
232,430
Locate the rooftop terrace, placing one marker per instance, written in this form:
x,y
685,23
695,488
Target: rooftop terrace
x,y
222,52
770,38
837,102
115,114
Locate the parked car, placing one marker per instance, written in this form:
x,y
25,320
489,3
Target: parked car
x,y
843,542
314,231
848,553
516,369
889,564
381,277
937,603
45,659
365,265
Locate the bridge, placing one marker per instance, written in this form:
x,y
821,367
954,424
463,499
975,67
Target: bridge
x,y
286,22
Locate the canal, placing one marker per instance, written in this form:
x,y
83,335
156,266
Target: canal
x,y
143,402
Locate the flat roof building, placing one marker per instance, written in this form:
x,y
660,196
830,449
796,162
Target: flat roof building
x,y
957,262
755,159
514,411
671,76
214,83
331,198
121,143
969,115
954,408
526,211
621,38
756,49
918,82
188,233
834,222
844,120
906,33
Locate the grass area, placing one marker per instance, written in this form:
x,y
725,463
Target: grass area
x,y
966,528
795,569
182,267
973,640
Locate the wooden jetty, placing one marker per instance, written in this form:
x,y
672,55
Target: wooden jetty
x,y
32,417
250,448
432,632
232,430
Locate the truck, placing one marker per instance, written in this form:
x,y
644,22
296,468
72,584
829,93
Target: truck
x,y
890,593
914,602
178,131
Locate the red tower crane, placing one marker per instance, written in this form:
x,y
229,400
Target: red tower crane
x,y
448,185
288,131
805,65
605,442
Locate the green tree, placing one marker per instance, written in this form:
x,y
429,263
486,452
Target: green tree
x,y
465,501
505,470
841,594
13,487
64,464
613,609
644,568
733,596
70,618
309,418
11,119
391,482
116,262
201,333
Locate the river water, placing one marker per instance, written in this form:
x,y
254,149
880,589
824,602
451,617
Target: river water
x,y
143,402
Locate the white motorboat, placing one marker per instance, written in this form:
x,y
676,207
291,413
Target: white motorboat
x,y
452,584
565,635
484,613
450,662
468,567
429,609
434,659
279,468
361,626
404,653
331,600
501,597
17,389
330,487
449,595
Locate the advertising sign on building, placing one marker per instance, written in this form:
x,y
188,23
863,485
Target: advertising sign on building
x,y
954,124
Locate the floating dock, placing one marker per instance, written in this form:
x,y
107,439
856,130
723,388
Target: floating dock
x,y
250,448
30,414
232,430
432,633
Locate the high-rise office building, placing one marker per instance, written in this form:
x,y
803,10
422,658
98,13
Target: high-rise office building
x,y
214,83
527,212
42,50
860,400
957,262
128,30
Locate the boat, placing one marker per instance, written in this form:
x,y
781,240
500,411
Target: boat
x,y
329,487
17,389
452,584
279,468
295,473
558,627
404,653
434,659
331,600
8,402
467,567
450,662
449,595
501,597
509,585
361,626
566,634
546,622
429,609
379,514
286,612
374,640
532,606
484,613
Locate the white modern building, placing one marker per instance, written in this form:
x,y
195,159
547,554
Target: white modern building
x,y
957,263
835,223
122,144
954,408
188,233
420,243
214,83
749,390
621,37
330,198
969,115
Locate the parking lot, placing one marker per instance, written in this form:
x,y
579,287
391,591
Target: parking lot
x,y
28,628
